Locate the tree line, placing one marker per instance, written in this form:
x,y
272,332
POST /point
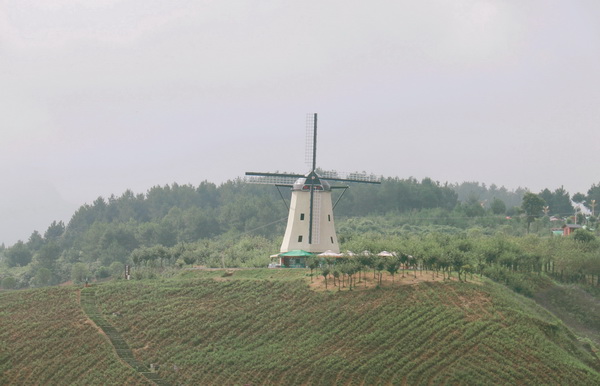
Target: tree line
x,y
237,223
513,260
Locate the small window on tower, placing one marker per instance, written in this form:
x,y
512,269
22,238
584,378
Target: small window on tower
x,y
299,239
329,217
301,216
331,239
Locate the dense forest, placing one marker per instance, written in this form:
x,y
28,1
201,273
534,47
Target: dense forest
x,y
241,224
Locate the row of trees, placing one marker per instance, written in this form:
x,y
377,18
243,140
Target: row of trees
x,y
512,260
244,251
109,230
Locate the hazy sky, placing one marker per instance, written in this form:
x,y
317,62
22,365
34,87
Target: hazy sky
x,y
97,97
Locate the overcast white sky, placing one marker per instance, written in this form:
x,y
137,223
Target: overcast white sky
x,y
97,97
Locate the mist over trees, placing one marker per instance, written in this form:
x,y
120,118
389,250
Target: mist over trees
x,y
489,195
240,224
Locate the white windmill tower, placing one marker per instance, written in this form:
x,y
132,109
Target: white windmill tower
x,y
310,225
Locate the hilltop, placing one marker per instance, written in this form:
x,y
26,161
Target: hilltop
x,y
263,326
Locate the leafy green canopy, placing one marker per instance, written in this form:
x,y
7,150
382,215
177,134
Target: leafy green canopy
x,y
239,224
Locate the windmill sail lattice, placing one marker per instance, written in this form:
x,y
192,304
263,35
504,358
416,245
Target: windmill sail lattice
x,y
310,225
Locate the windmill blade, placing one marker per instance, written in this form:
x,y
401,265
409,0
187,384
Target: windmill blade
x,y
351,177
285,179
310,154
267,174
271,180
310,215
352,180
315,218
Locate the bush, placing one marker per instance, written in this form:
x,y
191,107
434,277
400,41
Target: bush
x,y
79,273
516,281
116,270
43,277
102,273
584,236
9,283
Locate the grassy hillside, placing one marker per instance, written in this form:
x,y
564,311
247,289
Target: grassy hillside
x,y
577,306
45,338
270,327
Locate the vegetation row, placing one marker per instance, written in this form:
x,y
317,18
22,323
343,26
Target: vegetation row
x,y
239,224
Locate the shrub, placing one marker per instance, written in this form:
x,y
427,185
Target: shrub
x,y
43,277
79,273
102,272
518,282
116,269
583,235
9,283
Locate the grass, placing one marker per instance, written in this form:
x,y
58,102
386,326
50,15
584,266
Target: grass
x,y
577,306
252,327
266,326
47,339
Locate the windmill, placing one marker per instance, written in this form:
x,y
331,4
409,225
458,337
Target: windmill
x,y
310,225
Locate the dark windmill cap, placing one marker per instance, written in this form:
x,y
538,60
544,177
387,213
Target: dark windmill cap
x,y
304,183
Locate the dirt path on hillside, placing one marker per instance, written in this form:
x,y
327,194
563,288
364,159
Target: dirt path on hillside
x,y
87,302
89,321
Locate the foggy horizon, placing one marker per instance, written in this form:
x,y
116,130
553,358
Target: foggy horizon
x,y
102,96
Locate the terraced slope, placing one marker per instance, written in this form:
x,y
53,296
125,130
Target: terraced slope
x,y
88,303
45,338
264,327
236,331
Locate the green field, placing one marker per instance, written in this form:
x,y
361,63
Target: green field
x,y
46,338
269,327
